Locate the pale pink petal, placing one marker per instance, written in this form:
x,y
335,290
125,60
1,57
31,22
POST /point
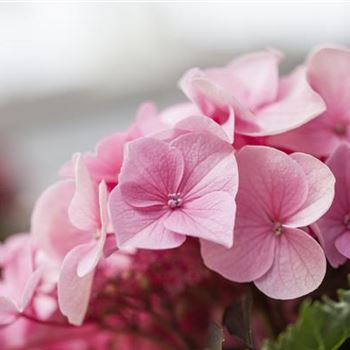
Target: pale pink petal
x,y
210,216
178,112
320,194
8,311
30,288
329,74
50,224
141,227
152,170
93,256
315,137
201,124
250,257
214,101
74,291
83,210
105,163
210,165
271,183
298,268
252,78
296,104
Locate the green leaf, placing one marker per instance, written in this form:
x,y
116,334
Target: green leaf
x,y
322,325
216,337
237,319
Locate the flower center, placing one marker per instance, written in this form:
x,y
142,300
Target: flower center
x,y
347,221
277,228
340,129
174,200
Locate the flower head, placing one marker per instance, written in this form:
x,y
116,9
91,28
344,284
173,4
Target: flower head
x,y
277,195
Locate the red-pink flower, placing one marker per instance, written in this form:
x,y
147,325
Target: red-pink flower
x,y
278,194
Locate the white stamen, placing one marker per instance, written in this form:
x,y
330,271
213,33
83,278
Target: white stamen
x,y
174,200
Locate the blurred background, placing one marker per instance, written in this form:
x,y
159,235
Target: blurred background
x,y
71,73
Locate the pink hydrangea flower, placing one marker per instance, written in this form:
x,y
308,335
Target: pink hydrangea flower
x,y
278,194
328,72
88,212
105,163
249,95
333,229
20,277
184,186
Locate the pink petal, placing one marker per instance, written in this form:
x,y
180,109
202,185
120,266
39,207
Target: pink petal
x,y
252,78
296,105
141,227
213,100
152,170
320,194
210,216
201,124
83,210
93,256
272,185
298,268
315,137
178,112
30,288
8,311
74,291
329,74
250,257
51,227
105,163
332,224
331,230
210,165
342,243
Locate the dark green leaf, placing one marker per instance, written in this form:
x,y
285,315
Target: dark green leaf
x,y
321,326
237,319
216,337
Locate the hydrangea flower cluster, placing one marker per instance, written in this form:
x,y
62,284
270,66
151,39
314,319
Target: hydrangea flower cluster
x,y
140,242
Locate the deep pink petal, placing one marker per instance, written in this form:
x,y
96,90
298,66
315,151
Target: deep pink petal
x,y
296,104
333,223
141,227
250,257
74,291
152,170
298,268
50,225
342,243
320,194
210,165
272,185
331,230
210,216
83,210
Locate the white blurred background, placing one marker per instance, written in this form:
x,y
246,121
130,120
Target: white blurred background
x,y
73,72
